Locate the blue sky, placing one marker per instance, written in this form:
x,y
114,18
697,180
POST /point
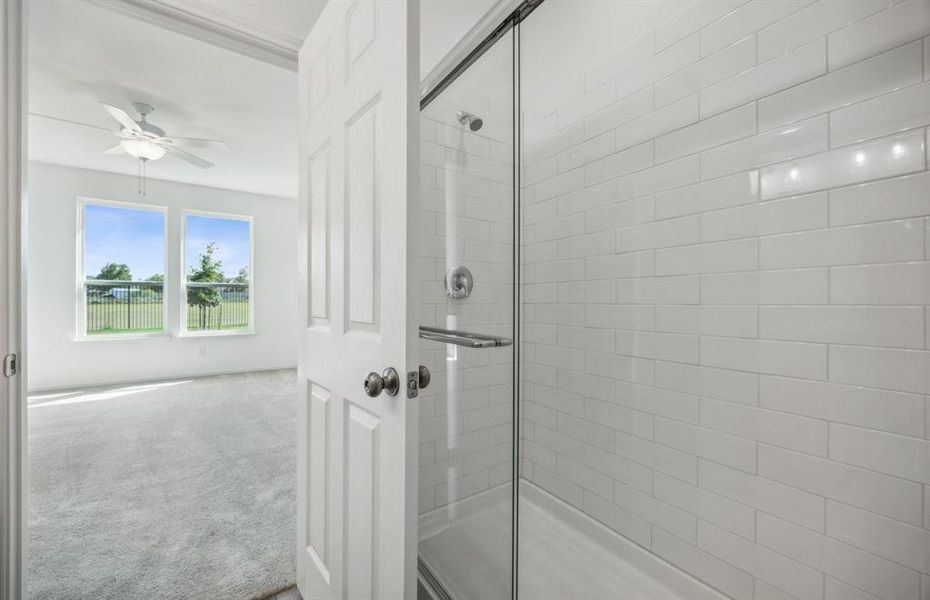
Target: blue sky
x,y
136,238
120,235
231,237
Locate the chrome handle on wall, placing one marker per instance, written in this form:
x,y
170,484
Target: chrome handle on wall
x,y
388,381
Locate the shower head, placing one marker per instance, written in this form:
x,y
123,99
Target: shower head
x,y
474,122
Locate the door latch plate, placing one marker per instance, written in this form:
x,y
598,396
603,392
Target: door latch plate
x,y
9,365
413,384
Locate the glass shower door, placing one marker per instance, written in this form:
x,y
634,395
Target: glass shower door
x,y
467,315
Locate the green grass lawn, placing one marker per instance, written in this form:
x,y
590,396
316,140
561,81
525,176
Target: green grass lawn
x,y
231,314
147,317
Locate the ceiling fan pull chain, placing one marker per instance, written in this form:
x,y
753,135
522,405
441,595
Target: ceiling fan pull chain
x,y
141,185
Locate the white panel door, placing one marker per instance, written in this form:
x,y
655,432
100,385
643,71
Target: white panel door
x,y
357,454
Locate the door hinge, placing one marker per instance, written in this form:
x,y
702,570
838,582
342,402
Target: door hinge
x,y
9,365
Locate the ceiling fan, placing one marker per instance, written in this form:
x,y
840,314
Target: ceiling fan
x,y
145,141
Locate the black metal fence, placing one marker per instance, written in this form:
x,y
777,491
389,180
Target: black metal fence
x,y
114,307
120,307
217,306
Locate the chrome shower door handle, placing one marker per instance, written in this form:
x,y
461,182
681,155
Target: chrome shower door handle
x,y
388,381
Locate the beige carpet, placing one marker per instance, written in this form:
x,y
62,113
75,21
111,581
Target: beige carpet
x,y
175,490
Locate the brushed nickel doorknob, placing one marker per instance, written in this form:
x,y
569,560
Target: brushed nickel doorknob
x,y
424,377
388,381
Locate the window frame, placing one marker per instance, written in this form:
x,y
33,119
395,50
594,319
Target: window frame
x,y
81,276
183,331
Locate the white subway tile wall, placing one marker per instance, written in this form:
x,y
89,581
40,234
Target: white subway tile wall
x,y
726,268
466,218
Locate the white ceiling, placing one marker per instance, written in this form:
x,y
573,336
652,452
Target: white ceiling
x,y
81,54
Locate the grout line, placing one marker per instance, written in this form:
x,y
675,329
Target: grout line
x,y
756,100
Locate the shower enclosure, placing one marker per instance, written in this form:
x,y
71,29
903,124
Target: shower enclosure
x,y
706,231
468,308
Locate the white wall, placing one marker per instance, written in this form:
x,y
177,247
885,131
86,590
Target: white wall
x,y
57,359
562,37
726,356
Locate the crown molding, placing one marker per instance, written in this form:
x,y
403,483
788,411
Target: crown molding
x,y
210,24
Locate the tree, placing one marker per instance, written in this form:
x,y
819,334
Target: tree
x,y
115,272
208,270
242,277
152,293
111,272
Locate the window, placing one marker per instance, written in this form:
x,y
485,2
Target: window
x,y
122,271
218,276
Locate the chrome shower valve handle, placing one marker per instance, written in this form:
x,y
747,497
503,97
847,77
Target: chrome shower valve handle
x,y
459,282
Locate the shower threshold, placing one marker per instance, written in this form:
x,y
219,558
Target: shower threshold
x,y
563,553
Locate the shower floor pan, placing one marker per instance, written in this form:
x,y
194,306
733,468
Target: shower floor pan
x,y
563,553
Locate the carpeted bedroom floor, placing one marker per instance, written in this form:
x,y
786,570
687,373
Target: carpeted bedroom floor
x,y
182,489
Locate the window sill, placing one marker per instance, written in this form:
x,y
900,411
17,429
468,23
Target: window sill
x,y
121,336
210,333
163,334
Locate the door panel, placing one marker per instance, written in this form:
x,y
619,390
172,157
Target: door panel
x,y
319,221
361,495
357,455
363,153
318,488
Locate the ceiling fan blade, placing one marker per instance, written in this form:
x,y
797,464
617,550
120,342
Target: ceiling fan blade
x,y
117,149
184,155
88,125
123,117
196,142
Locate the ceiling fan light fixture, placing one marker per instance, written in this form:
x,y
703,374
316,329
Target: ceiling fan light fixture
x,y
143,149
